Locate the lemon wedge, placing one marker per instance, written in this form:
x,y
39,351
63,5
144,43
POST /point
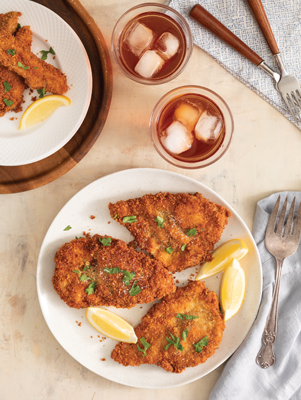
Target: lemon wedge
x,y
111,325
222,256
232,290
41,109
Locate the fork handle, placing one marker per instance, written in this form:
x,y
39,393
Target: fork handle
x,y
266,356
217,28
258,11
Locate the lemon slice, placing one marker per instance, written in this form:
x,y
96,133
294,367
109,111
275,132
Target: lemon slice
x,y
41,109
222,256
111,325
232,290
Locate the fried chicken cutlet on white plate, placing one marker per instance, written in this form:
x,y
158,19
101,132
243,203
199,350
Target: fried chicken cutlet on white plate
x,y
180,230
103,271
181,331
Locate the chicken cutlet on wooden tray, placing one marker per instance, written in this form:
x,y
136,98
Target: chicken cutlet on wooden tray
x,y
181,331
180,230
102,271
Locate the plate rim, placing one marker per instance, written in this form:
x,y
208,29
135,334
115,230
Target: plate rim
x,y
88,97
251,323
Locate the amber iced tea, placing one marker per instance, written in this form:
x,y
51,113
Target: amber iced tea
x,y
191,127
152,45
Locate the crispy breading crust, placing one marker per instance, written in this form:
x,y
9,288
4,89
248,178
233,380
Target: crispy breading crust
x,y
9,22
151,276
180,212
36,72
161,320
15,94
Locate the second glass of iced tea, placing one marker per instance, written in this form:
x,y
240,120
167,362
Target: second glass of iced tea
x,y
191,127
152,43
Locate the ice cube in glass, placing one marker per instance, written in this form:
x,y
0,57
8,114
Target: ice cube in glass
x,y
187,114
138,38
177,138
168,45
149,64
208,127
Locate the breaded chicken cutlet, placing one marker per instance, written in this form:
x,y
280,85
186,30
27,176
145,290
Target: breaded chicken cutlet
x,y
102,271
14,55
180,230
12,85
181,331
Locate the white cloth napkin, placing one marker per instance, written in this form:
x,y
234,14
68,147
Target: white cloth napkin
x,y
285,19
242,378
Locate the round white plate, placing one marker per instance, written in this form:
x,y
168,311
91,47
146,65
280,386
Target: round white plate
x,y
44,139
76,340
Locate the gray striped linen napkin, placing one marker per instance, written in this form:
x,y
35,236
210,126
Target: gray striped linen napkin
x,y
285,19
242,378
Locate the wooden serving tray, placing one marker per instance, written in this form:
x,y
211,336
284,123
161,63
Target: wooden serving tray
x,y
26,177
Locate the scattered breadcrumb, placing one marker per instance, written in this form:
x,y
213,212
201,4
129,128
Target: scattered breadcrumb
x,y
103,359
92,217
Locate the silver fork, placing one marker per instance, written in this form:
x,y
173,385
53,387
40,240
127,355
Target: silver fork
x,y
288,85
281,244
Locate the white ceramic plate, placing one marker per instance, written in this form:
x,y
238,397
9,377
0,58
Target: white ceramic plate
x,y
77,341
44,139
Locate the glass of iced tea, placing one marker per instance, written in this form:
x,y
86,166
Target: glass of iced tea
x,y
191,127
152,43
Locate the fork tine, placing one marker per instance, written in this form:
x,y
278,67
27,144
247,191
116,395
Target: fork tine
x,y
289,223
293,101
273,217
297,226
281,219
298,98
289,107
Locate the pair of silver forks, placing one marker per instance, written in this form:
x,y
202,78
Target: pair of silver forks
x,y
286,84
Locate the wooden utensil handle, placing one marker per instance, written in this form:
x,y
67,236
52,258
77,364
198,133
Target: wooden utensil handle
x,y
263,22
217,28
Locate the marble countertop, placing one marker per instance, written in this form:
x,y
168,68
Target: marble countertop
x,y
264,157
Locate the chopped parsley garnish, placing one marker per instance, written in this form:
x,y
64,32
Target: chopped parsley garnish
x,y
106,241
7,86
90,289
8,102
127,277
183,247
141,272
175,341
18,27
182,316
87,267
145,345
130,219
83,277
115,216
78,237
202,343
45,53
112,270
22,66
74,270
67,228
134,289
41,92
220,308
160,221
169,250
184,334
11,52
35,67
191,232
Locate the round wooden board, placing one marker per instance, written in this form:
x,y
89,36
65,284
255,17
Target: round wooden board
x,y
26,177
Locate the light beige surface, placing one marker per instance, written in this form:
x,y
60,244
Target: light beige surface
x,y
264,157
